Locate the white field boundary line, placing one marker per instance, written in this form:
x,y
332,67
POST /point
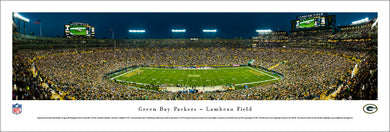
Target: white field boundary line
x,y
214,88
124,73
134,82
264,73
258,82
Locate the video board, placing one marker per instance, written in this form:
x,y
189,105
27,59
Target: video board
x,y
318,21
79,30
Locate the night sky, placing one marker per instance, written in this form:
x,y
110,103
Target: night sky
x,y
159,25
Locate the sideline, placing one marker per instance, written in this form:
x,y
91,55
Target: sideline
x,y
264,73
124,73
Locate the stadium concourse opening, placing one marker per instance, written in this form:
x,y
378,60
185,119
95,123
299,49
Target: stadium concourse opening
x,y
313,60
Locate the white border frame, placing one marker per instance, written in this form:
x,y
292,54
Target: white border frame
x,y
361,121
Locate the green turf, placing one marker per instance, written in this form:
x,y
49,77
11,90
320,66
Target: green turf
x,y
78,30
198,77
307,23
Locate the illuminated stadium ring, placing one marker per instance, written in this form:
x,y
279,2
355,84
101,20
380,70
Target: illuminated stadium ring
x,y
114,59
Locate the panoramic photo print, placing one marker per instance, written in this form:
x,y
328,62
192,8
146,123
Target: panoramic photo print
x,y
195,56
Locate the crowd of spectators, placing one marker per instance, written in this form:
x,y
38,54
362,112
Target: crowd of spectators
x,y
25,85
354,31
273,39
22,42
356,36
310,37
78,74
364,85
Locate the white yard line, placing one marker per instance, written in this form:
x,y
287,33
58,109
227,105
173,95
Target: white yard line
x,y
147,80
200,78
187,78
165,74
215,74
174,79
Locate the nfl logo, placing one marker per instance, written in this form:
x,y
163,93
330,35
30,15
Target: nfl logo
x,y
16,108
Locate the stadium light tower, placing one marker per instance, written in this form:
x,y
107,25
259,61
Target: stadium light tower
x,y
176,31
137,31
206,31
21,18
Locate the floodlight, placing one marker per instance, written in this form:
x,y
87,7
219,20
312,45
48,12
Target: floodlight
x,y
136,31
360,21
178,30
17,15
210,30
264,31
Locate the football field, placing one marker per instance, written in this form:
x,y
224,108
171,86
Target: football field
x,y
197,77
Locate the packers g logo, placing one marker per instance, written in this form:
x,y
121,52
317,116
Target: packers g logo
x,y
370,108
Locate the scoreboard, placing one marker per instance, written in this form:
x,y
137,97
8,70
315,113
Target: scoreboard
x,y
76,29
313,21
318,21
